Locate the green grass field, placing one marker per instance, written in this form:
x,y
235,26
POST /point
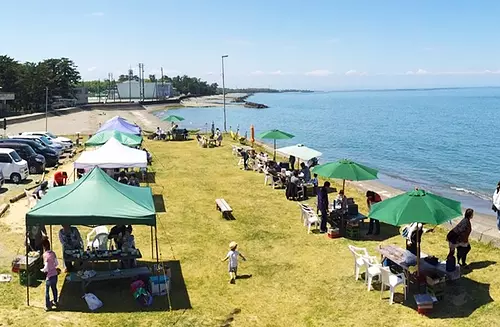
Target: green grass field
x,y
297,279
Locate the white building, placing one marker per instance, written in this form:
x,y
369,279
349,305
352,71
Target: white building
x,y
81,95
156,90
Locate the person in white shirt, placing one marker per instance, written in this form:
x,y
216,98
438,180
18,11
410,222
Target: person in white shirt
x,y
233,255
496,204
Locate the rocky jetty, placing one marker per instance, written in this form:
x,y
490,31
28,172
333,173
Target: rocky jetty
x,y
254,105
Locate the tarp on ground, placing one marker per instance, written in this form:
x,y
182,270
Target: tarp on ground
x,y
112,154
124,138
120,124
95,199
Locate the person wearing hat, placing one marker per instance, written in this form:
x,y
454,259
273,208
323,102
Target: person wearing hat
x,y
496,204
41,190
233,255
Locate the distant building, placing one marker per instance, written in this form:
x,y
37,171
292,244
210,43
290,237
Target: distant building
x,y
156,90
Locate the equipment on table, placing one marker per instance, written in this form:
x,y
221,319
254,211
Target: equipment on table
x,y
352,209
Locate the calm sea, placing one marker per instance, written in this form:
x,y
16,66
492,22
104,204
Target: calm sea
x,y
445,141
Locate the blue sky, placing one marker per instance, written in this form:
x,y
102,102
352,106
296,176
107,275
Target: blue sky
x,y
321,45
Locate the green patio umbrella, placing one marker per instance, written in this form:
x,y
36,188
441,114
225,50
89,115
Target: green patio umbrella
x,y
416,206
275,134
345,169
124,138
172,118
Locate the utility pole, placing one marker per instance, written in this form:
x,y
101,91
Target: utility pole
x,y
224,92
99,90
130,74
143,94
162,85
46,107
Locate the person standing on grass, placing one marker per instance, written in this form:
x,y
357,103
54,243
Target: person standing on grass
x,y
50,268
372,198
496,204
458,238
323,205
232,256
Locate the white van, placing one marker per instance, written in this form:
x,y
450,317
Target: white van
x,y
13,167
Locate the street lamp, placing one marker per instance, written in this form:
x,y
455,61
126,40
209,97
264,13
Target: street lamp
x,y
224,92
46,107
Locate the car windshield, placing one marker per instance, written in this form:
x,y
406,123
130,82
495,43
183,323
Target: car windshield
x,y
45,140
29,150
51,135
15,156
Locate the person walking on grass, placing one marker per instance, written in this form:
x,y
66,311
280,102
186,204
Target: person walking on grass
x,y
232,256
496,204
458,238
50,268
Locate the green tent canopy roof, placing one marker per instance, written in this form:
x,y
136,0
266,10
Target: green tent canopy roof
x,y
95,199
173,118
124,138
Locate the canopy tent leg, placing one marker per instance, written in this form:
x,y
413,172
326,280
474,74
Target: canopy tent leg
x,y
152,251
27,266
50,235
156,242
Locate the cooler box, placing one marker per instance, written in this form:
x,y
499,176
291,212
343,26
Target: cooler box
x,y
159,285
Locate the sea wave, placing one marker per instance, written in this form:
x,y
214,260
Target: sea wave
x,y
470,192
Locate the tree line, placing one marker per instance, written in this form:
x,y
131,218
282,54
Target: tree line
x,y
183,84
29,81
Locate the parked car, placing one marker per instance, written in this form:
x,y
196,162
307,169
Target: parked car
x,y
51,157
42,140
13,165
36,162
64,141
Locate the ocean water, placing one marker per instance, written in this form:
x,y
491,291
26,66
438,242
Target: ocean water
x,y
443,140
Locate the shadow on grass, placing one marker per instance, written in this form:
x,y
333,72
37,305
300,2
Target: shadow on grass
x,y
159,203
386,232
477,265
150,177
461,299
117,297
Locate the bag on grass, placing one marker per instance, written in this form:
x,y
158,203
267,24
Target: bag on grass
x,y
92,301
143,297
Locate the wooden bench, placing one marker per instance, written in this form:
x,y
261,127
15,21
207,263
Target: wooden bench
x,y
109,274
223,207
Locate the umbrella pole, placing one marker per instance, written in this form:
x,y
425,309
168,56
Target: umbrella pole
x,y
343,185
418,252
274,157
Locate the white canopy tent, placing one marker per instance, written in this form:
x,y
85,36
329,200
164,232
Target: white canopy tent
x,y
112,154
300,151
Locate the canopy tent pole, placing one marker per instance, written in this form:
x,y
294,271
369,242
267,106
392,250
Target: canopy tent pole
x,y
50,234
156,242
27,266
152,253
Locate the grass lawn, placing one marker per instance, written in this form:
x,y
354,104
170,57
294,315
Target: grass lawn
x,y
297,279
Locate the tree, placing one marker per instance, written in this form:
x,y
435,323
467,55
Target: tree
x,y
10,74
152,78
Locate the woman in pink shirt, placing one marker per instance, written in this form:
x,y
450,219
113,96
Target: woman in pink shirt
x,y
50,268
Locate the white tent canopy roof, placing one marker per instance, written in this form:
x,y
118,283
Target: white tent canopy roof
x,y
112,154
300,151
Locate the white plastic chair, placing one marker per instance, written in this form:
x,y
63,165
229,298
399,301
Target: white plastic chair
x,y
310,218
100,242
358,254
31,201
372,270
391,280
91,237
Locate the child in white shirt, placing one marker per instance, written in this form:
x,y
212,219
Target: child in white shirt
x,y
233,255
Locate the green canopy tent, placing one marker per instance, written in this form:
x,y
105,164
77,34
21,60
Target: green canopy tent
x,y
416,206
95,199
124,138
275,134
173,118
346,169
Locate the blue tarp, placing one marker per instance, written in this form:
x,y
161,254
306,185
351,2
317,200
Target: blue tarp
x,y
120,124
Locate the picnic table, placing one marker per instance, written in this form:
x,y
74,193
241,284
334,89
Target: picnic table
x,y
341,220
400,256
108,275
